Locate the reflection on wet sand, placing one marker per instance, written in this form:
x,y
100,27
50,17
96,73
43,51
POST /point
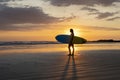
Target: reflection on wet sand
x,y
70,66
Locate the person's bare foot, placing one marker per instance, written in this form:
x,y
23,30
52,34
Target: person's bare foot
x,y
72,54
69,54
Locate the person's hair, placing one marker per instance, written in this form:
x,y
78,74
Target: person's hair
x,y
71,30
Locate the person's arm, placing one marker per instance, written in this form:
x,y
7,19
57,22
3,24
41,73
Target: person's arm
x,y
71,38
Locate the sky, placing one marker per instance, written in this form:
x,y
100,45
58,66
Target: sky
x,y
42,20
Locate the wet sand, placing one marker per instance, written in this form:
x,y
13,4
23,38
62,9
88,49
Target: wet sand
x,y
91,64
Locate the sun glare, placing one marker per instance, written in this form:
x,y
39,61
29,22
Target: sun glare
x,y
76,32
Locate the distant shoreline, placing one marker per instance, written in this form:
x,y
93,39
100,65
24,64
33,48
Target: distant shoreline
x,y
2,43
109,40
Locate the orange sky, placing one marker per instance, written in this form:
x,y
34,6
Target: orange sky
x,y
42,20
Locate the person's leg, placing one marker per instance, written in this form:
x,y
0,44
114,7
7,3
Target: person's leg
x,y
69,49
73,49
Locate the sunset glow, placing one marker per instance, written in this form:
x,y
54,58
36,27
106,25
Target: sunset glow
x,y
42,20
76,32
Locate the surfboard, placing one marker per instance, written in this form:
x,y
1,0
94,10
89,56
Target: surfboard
x,y
63,38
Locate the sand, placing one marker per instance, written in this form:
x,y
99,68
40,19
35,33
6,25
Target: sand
x,y
90,64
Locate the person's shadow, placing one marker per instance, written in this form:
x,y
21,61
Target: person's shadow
x,y
70,65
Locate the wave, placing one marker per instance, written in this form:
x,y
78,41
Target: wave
x,y
7,43
27,42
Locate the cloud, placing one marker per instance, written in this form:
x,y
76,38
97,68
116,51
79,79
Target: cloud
x,y
10,16
104,15
105,28
82,2
99,28
24,15
22,27
100,15
114,18
4,0
9,0
89,9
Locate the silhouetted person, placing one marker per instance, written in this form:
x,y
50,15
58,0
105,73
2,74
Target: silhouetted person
x,y
71,44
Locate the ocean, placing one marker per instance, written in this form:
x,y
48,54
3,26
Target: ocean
x,y
49,61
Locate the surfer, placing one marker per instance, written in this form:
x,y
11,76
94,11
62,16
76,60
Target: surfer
x,y
71,45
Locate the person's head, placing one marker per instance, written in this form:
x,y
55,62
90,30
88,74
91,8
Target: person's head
x,y
71,30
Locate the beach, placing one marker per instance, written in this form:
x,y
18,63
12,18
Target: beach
x,y
94,61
